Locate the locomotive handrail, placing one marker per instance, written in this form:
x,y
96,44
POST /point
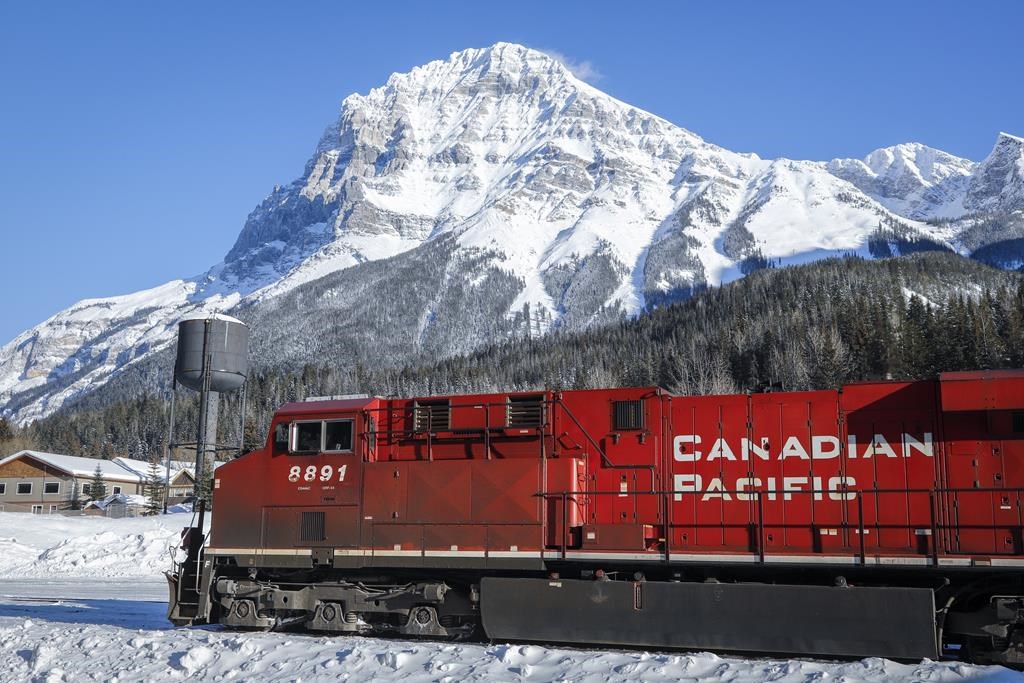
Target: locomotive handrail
x,y
933,525
455,433
488,429
980,489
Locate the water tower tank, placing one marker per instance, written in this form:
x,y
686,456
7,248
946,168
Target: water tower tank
x,y
226,344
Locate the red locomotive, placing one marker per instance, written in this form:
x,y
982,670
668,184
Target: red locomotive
x,y
882,519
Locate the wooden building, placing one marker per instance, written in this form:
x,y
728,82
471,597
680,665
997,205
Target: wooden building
x,y
42,483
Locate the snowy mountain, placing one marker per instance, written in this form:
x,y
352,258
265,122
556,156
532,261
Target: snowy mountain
x,y
924,183
911,179
493,194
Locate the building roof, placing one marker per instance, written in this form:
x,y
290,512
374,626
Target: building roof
x,y
182,478
119,469
141,467
78,467
130,500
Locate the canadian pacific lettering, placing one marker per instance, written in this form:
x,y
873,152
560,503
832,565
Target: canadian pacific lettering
x,y
688,448
823,447
772,488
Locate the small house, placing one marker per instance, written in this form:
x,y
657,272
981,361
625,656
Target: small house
x,y
38,482
44,483
117,505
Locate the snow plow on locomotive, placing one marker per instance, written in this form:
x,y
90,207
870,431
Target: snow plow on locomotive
x,y
884,519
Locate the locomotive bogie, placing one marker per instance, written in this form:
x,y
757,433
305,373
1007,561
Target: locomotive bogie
x,y
367,606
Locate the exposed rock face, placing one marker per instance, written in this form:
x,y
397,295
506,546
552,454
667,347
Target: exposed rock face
x,y
519,198
910,179
997,185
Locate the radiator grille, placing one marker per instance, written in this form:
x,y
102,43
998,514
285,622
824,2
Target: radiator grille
x,y
432,416
311,527
524,411
629,414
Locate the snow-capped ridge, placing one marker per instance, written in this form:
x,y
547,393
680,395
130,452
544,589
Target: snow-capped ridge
x,y
928,164
578,206
910,179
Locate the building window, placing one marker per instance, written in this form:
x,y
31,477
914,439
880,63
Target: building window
x,y
37,509
629,414
524,411
116,490
51,487
85,489
53,508
24,488
432,416
3,489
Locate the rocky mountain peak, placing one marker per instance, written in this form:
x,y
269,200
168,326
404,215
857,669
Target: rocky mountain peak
x,y
910,179
998,185
429,116
926,164
514,66
437,148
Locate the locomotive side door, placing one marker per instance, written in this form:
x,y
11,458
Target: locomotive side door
x,y
983,424
971,466
632,445
1010,510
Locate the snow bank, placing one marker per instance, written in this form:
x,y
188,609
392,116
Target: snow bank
x,y
52,545
35,650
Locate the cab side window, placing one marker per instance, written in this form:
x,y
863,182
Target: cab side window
x,y
307,437
281,437
338,435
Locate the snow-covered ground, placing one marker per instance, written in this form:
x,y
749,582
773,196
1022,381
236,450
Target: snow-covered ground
x,y
54,546
82,599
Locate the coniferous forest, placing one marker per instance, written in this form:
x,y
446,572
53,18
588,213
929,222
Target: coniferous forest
x,y
808,327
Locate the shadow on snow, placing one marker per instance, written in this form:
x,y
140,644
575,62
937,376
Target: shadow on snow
x,y
124,613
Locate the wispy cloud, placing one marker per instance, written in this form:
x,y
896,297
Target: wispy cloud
x,y
583,70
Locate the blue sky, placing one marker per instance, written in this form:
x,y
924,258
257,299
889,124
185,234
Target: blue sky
x,y
136,137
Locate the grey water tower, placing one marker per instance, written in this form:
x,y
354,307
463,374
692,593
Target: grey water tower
x,y
212,360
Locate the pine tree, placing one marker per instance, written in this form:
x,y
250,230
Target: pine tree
x,y
153,489
1015,327
6,431
917,344
989,346
97,485
830,359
